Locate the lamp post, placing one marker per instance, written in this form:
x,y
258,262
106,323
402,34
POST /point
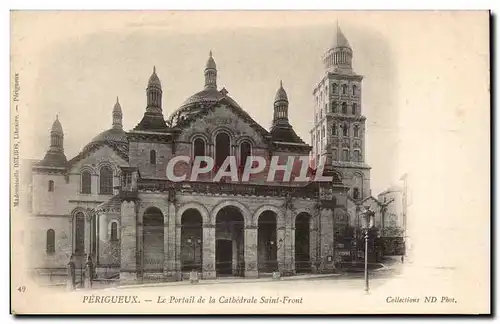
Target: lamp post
x,y
367,218
195,243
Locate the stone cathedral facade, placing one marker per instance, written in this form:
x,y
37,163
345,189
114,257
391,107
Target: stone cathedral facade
x,y
113,202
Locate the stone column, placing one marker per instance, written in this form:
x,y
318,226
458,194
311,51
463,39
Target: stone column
x,y
251,270
208,254
88,234
280,243
128,241
289,244
169,269
313,239
327,256
177,262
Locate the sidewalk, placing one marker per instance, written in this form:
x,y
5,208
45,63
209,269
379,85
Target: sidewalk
x,y
227,280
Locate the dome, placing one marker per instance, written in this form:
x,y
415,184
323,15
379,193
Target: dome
x,y
281,94
198,102
113,135
154,80
56,126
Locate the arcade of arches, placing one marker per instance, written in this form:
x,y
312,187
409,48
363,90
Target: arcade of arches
x,y
227,243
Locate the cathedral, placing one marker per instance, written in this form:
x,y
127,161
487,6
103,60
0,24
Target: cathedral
x,y
114,204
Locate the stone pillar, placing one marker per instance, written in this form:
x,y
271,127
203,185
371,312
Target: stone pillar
x,y
208,254
177,262
280,243
251,270
327,256
169,268
128,241
289,244
88,233
313,240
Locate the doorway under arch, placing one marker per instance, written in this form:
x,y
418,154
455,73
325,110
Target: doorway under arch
x,y
302,243
153,240
191,240
229,242
267,247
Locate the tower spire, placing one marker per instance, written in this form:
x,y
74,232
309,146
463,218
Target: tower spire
x,y
210,73
339,57
117,115
280,106
154,93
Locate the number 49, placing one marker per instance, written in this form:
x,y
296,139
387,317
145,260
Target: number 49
x,y
21,289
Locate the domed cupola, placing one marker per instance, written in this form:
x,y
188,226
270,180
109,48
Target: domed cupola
x,y
153,117
211,73
55,155
280,106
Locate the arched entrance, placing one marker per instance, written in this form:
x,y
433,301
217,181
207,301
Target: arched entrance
x,y
302,243
191,240
229,242
153,240
267,247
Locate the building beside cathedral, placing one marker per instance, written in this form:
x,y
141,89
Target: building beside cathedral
x,y
113,202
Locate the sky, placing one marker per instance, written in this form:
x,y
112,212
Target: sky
x,y
80,62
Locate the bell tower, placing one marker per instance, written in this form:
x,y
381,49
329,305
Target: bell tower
x,y
338,134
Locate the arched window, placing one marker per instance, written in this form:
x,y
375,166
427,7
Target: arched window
x,y
334,107
152,157
355,193
334,88
335,154
345,130
51,185
322,132
320,114
86,182
106,181
326,108
344,89
245,151
356,130
114,231
51,241
345,155
222,148
198,147
357,156
354,108
334,129
344,108
354,90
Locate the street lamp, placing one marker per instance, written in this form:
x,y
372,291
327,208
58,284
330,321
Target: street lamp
x,y
367,220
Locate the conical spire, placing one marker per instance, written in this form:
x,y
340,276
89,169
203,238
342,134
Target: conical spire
x,y
117,115
339,39
57,127
154,81
55,155
338,58
280,106
154,93
210,73
280,94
